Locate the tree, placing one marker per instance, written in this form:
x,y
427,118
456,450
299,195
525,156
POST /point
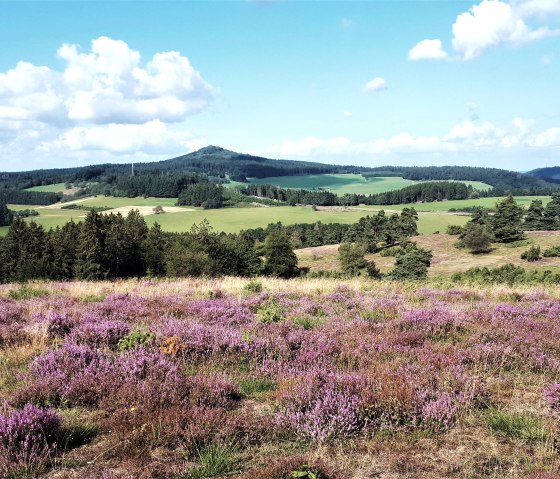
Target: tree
x,y
477,238
90,254
411,263
352,258
532,254
280,259
551,213
506,223
534,217
6,215
154,247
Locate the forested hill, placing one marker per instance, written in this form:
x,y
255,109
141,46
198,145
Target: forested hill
x,y
500,179
548,174
211,161
215,163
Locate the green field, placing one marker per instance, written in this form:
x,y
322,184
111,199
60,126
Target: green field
x,y
347,183
446,205
114,202
233,219
55,188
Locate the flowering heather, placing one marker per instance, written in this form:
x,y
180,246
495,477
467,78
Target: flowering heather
x,y
398,372
27,438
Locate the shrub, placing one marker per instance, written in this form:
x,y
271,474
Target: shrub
x,y
532,254
103,333
413,264
552,397
253,286
270,313
135,339
26,292
28,437
454,230
552,252
59,324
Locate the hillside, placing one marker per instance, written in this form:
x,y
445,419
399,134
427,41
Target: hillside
x,y
551,174
219,162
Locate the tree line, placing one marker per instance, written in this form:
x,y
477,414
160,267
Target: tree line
x,y
113,246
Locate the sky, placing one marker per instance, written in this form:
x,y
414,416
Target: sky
x,y
347,82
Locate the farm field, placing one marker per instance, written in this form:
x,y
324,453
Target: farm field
x,y
447,258
343,381
228,219
347,183
446,205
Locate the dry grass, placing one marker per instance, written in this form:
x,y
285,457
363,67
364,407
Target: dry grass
x,y
447,258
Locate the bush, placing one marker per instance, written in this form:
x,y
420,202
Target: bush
x,y
454,230
270,313
253,286
412,264
135,339
28,437
532,254
552,252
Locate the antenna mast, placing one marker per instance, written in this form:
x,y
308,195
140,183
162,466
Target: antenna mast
x,y
132,169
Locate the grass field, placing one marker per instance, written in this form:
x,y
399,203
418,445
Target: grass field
x,y
446,205
447,258
347,183
230,220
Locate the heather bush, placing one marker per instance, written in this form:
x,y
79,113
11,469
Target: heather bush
x,y
102,333
28,439
59,325
552,397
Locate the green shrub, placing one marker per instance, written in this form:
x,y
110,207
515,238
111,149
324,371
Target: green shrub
x,y
532,254
135,339
255,386
454,230
270,313
254,286
552,252
26,292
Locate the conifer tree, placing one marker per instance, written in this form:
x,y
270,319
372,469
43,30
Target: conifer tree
x,y
90,263
506,223
280,259
534,217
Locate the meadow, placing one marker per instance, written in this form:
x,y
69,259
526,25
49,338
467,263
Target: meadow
x,y
348,183
54,188
278,379
229,220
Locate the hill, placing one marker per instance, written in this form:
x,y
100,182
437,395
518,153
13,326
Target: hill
x,y
217,162
550,174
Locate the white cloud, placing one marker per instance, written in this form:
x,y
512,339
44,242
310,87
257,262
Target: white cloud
x,y
106,85
466,138
104,100
377,84
427,50
492,23
347,114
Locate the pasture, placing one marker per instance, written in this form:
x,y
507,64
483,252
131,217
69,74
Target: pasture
x,y
347,183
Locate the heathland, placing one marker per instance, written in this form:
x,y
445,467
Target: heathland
x,y
278,379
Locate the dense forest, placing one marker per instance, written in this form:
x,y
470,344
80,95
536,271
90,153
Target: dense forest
x,y
113,246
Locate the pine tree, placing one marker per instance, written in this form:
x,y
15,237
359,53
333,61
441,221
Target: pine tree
x,y
477,238
551,214
351,258
6,215
534,217
153,248
506,223
90,255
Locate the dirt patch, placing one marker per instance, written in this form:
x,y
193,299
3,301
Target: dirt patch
x,y
146,210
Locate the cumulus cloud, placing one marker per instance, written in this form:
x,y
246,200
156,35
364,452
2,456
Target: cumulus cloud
x,y
103,99
468,137
492,23
376,84
427,50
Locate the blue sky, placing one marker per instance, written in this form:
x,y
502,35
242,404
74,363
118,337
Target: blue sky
x,y
352,82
